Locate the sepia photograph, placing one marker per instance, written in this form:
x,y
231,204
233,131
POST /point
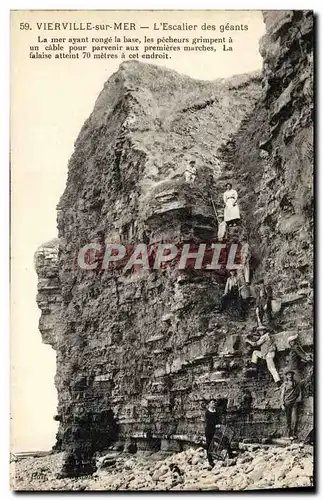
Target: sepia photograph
x,y
162,262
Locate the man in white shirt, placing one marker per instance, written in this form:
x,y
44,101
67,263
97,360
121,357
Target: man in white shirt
x,y
267,352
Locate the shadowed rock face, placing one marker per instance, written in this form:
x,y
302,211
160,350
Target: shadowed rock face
x,y
150,346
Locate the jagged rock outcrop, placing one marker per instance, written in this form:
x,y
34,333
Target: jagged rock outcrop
x,y
271,159
146,349
49,297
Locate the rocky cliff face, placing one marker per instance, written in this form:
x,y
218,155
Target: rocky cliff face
x,y
49,297
138,354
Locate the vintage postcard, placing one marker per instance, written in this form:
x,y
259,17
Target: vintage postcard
x,y
162,250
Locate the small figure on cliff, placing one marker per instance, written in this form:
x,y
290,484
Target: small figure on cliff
x,y
263,302
245,261
190,172
145,237
296,355
291,396
267,352
231,209
231,285
231,291
246,401
213,421
222,228
245,410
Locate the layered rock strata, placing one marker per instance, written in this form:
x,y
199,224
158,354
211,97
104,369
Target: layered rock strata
x,y
139,353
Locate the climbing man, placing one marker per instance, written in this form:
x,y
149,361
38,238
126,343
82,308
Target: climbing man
x,y
231,291
291,396
263,302
212,421
231,208
190,172
296,355
267,352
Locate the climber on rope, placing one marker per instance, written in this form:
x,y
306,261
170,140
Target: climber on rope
x,y
190,172
267,352
231,208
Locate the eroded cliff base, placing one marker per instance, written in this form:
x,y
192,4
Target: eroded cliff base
x,y
256,468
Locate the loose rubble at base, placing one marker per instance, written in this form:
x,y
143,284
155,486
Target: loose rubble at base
x,y
255,467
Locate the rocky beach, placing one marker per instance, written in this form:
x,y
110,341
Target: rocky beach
x,y
255,467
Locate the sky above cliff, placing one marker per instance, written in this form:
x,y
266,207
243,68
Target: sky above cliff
x,y
50,102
